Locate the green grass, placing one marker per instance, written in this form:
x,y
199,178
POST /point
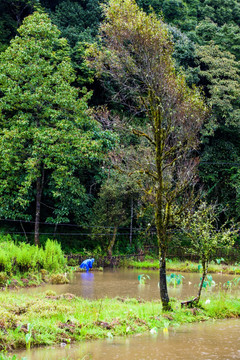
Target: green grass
x,y
49,319
185,266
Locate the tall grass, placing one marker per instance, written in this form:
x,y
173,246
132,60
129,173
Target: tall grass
x,y
29,258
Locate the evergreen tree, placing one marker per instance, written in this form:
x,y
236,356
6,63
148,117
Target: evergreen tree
x,y
46,133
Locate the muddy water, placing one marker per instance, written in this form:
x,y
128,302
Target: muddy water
x,y
218,340
124,283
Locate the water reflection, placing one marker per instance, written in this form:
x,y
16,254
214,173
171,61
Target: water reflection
x,y
87,285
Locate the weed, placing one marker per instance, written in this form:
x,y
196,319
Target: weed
x,y
142,278
209,282
175,279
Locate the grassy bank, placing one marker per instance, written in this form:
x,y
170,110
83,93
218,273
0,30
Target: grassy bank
x,y
186,266
27,321
23,264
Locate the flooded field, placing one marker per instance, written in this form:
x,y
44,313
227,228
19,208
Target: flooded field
x,y
124,283
218,340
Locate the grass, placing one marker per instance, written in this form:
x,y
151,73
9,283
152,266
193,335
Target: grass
x,y
186,266
49,319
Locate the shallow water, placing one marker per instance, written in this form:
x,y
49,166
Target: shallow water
x,y
124,283
218,340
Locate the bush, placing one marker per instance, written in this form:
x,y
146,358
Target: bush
x,y
58,279
54,259
29,258
3,278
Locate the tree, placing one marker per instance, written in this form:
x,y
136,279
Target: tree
x,y
220,76
46,133
137,53
218,171
201,228
220,11
77,21
114,209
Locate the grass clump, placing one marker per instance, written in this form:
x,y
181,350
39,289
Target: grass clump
x,y
21,258
59,279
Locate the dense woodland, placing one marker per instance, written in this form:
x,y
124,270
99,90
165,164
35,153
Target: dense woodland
x,y
72,164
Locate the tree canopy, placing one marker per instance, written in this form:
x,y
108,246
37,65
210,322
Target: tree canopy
x,y
47,133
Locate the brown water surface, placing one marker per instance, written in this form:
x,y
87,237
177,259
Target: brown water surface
x,y
124,283
218,340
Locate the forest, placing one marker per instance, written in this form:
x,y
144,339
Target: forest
x,y
83,91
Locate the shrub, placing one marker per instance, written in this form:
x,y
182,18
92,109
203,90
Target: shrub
x,y
29,258
3,278
54,259
58,279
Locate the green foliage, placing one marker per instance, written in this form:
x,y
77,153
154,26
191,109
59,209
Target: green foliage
x,y
143,278
54,259
208,282
58,279
77,21
26,258
206,238
212,24
218,261
230,284
3,278
221,78
5,356
112,209
185,55
54,136
174,10
219,170
12,12
221,11
175,279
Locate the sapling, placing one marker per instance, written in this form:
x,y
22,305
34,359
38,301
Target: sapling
x,y
205,238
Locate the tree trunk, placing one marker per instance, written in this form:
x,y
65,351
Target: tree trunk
x,y
162,242
24,231
131,223
161,218
163,283
39,188
55,230
112,242
205,269
195,301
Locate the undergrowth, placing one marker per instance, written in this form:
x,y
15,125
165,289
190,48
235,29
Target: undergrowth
x,y
21,258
